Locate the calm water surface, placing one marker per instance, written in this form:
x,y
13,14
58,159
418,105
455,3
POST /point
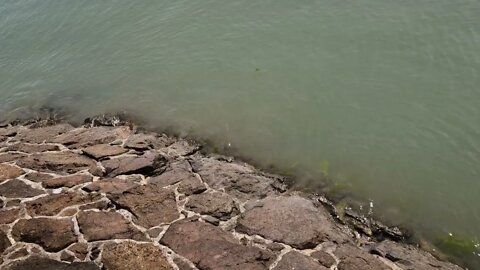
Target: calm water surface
x,y
383,95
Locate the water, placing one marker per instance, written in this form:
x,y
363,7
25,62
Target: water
x,y
383,95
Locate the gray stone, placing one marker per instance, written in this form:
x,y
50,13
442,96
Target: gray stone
x,y
101,151
216,204
151,205
42,263
18,189
209,247
292,220
297,261
128,255
67,181
52,234
97,226
150,163
67,162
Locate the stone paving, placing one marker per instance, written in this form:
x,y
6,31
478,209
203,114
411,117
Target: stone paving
x,y
112,197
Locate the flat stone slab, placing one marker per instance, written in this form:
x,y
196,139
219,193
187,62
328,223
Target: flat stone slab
x,y
52,234
9,172
292,220
101,151
42,263
128,255
298,261
8,216
7,157
67,181
18,189
142,141
209,247
175,172
83,137
67,162
53,204
38,177
150,163
216,204
41,134
323,258
97,226
32,148
353,258
110,185
150,204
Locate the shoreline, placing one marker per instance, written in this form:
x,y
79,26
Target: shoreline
x,y
162,189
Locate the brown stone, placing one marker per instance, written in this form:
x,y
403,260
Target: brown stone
x,y
353,258
43,263
209,247
32,148
67,162
155,232
41,134
102,205
84,137
100,151
110,185
4,242
97,226
323,258
180,148
22,252
128,255
18,189
53,204
52,234
296,260
8,216
175,172
67,257
410,258
80,250
9,172
38,177
7,157
146,141
182,265
68,212
8,131
240,180
216,204
191,185
149,163
292,220
13,203
67,181
151,205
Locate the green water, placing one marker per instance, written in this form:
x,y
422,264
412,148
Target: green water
x,y
383,95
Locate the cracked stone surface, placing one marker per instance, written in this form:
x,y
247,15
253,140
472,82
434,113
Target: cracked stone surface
x,y
109,197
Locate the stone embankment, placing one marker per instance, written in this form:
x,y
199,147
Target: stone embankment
x,y
111,197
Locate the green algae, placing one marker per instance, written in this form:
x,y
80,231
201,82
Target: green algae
x,y
457,245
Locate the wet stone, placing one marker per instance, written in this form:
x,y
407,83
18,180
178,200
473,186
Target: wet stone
x,y
7,157
85,137
181,148
18,189
67,162
8,216
128,255
97,226
353,258
209,247
296,260
110,185
67,181
9,172
216,204
42,263
101,151
32,148
38,177
53,204
151,205
323,258
274,218
51,234
149,163
41,134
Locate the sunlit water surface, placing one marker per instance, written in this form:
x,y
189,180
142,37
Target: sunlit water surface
x,y
382,95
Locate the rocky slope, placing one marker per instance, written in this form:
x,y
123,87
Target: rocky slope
x,y
110,197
